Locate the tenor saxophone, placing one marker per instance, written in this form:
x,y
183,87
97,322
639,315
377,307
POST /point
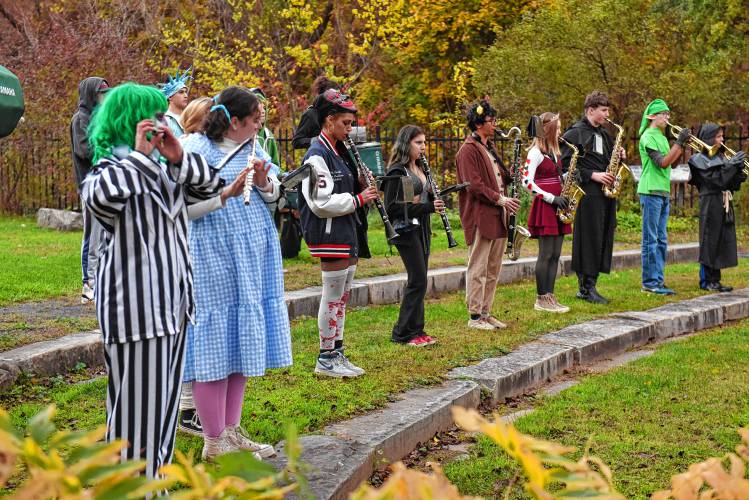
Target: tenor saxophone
x,y
570,190
619,170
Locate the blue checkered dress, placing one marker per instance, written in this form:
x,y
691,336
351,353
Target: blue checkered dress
x,y
241,321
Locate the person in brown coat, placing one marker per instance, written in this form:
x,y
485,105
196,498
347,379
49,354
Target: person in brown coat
x,y
484,208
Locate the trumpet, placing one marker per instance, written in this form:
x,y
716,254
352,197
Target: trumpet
x,y
730,154
694,142
516,234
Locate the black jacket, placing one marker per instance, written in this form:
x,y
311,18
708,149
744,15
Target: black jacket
x,y
82,154
308,128
582,134
403,213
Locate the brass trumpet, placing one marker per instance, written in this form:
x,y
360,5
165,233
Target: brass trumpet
x,y
694,142
730,153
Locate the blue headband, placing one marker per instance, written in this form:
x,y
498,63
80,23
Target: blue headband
x,y
221,106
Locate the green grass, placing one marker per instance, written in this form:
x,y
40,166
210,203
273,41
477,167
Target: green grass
x,y
296,395
37,264
647,420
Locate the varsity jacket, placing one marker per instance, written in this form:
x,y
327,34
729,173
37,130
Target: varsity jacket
x,y
328,203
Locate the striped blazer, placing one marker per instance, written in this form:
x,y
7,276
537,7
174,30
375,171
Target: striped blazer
x,y
144,283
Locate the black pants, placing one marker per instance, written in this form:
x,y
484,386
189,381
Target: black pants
x,y
712,274
411,317
549,250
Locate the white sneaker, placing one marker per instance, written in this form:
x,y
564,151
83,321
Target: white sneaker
x,y
544,303
331,364
240,440
560,308
87,294
479,324
348,364
213,447
494,322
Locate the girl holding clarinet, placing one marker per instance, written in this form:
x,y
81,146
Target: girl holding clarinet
x,y
410,215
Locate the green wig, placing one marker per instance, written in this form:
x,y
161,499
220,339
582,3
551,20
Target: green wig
x,y
114,121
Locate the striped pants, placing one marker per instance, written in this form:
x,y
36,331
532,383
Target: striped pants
x,y
143,397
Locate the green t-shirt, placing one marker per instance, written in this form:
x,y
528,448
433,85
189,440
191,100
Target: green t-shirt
x,y
268,142
653,178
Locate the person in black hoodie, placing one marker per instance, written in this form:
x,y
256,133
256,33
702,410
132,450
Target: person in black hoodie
x,y
595,220
410,215
309,125
90,93
716,177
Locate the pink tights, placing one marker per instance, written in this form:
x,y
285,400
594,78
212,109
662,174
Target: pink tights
x,y
219,403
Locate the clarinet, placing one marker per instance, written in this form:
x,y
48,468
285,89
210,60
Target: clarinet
x,y
428,173
516,234
248,183
367,174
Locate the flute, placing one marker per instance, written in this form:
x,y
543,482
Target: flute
x,y
248,183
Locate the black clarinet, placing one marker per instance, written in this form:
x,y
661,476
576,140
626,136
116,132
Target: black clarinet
x,y
445,222
367,174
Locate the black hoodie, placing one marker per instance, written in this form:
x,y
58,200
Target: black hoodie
x,y
87,100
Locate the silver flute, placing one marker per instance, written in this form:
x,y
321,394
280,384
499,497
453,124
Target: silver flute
x,y
249,182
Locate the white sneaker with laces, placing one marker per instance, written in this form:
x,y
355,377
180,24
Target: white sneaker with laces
x,y
87,294
348,364
331,364
240,440
479,324
215,446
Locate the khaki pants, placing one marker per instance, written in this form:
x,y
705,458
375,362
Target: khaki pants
x,y
482,275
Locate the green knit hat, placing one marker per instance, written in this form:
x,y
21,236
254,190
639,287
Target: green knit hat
x,y
655,106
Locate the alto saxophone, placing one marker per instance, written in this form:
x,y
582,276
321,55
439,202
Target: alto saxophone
x,y
619,170
570,190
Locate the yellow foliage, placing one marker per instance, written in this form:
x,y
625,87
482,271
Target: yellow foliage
x,y
544,462
409,484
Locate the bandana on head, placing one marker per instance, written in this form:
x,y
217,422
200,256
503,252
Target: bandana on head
x,y
176,82
707,133
333,102
655,106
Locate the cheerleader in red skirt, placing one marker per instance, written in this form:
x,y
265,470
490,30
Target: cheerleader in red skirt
x,y
542,176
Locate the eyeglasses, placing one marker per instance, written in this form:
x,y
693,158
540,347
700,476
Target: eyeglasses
x,y
490,119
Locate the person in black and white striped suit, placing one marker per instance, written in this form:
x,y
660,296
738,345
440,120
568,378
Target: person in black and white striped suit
x,y
139,191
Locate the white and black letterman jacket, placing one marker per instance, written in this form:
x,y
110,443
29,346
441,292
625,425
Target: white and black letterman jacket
x,y
327,207
144,285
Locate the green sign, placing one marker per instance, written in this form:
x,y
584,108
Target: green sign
x,y
11,102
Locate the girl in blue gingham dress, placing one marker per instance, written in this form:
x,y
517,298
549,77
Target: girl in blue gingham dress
x,y
241,324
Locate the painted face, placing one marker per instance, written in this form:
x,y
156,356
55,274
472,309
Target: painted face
x,y
597,116
418,146
339,125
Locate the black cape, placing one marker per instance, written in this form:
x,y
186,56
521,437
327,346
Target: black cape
x,y
595,220
713,176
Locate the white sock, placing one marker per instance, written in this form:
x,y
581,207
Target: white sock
x,y
333,284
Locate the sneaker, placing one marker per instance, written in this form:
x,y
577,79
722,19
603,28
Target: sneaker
x,y
215,446
494,322
718,287
560,308
87,294
348,364
189,422
331,364
479,324
417,342
428,340
544,303
659,290
240,440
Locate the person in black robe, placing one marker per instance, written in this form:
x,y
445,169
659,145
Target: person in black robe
x,y
595,219
309,124
716,178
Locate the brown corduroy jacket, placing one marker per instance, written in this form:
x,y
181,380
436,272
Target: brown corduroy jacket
x,y
478,203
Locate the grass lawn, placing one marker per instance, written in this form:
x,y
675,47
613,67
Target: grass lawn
x,y
296,395
647,420
36,263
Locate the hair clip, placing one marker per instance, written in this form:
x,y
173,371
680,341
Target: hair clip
x,y
480,110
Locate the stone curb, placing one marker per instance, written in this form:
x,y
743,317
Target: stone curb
x,y
346,453
60,355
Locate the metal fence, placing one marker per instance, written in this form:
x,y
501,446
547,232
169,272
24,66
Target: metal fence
x,y
36,167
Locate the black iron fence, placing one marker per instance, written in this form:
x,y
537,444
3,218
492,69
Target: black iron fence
x,y
36,167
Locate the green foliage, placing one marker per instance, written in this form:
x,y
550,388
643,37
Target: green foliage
x,y
634,50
